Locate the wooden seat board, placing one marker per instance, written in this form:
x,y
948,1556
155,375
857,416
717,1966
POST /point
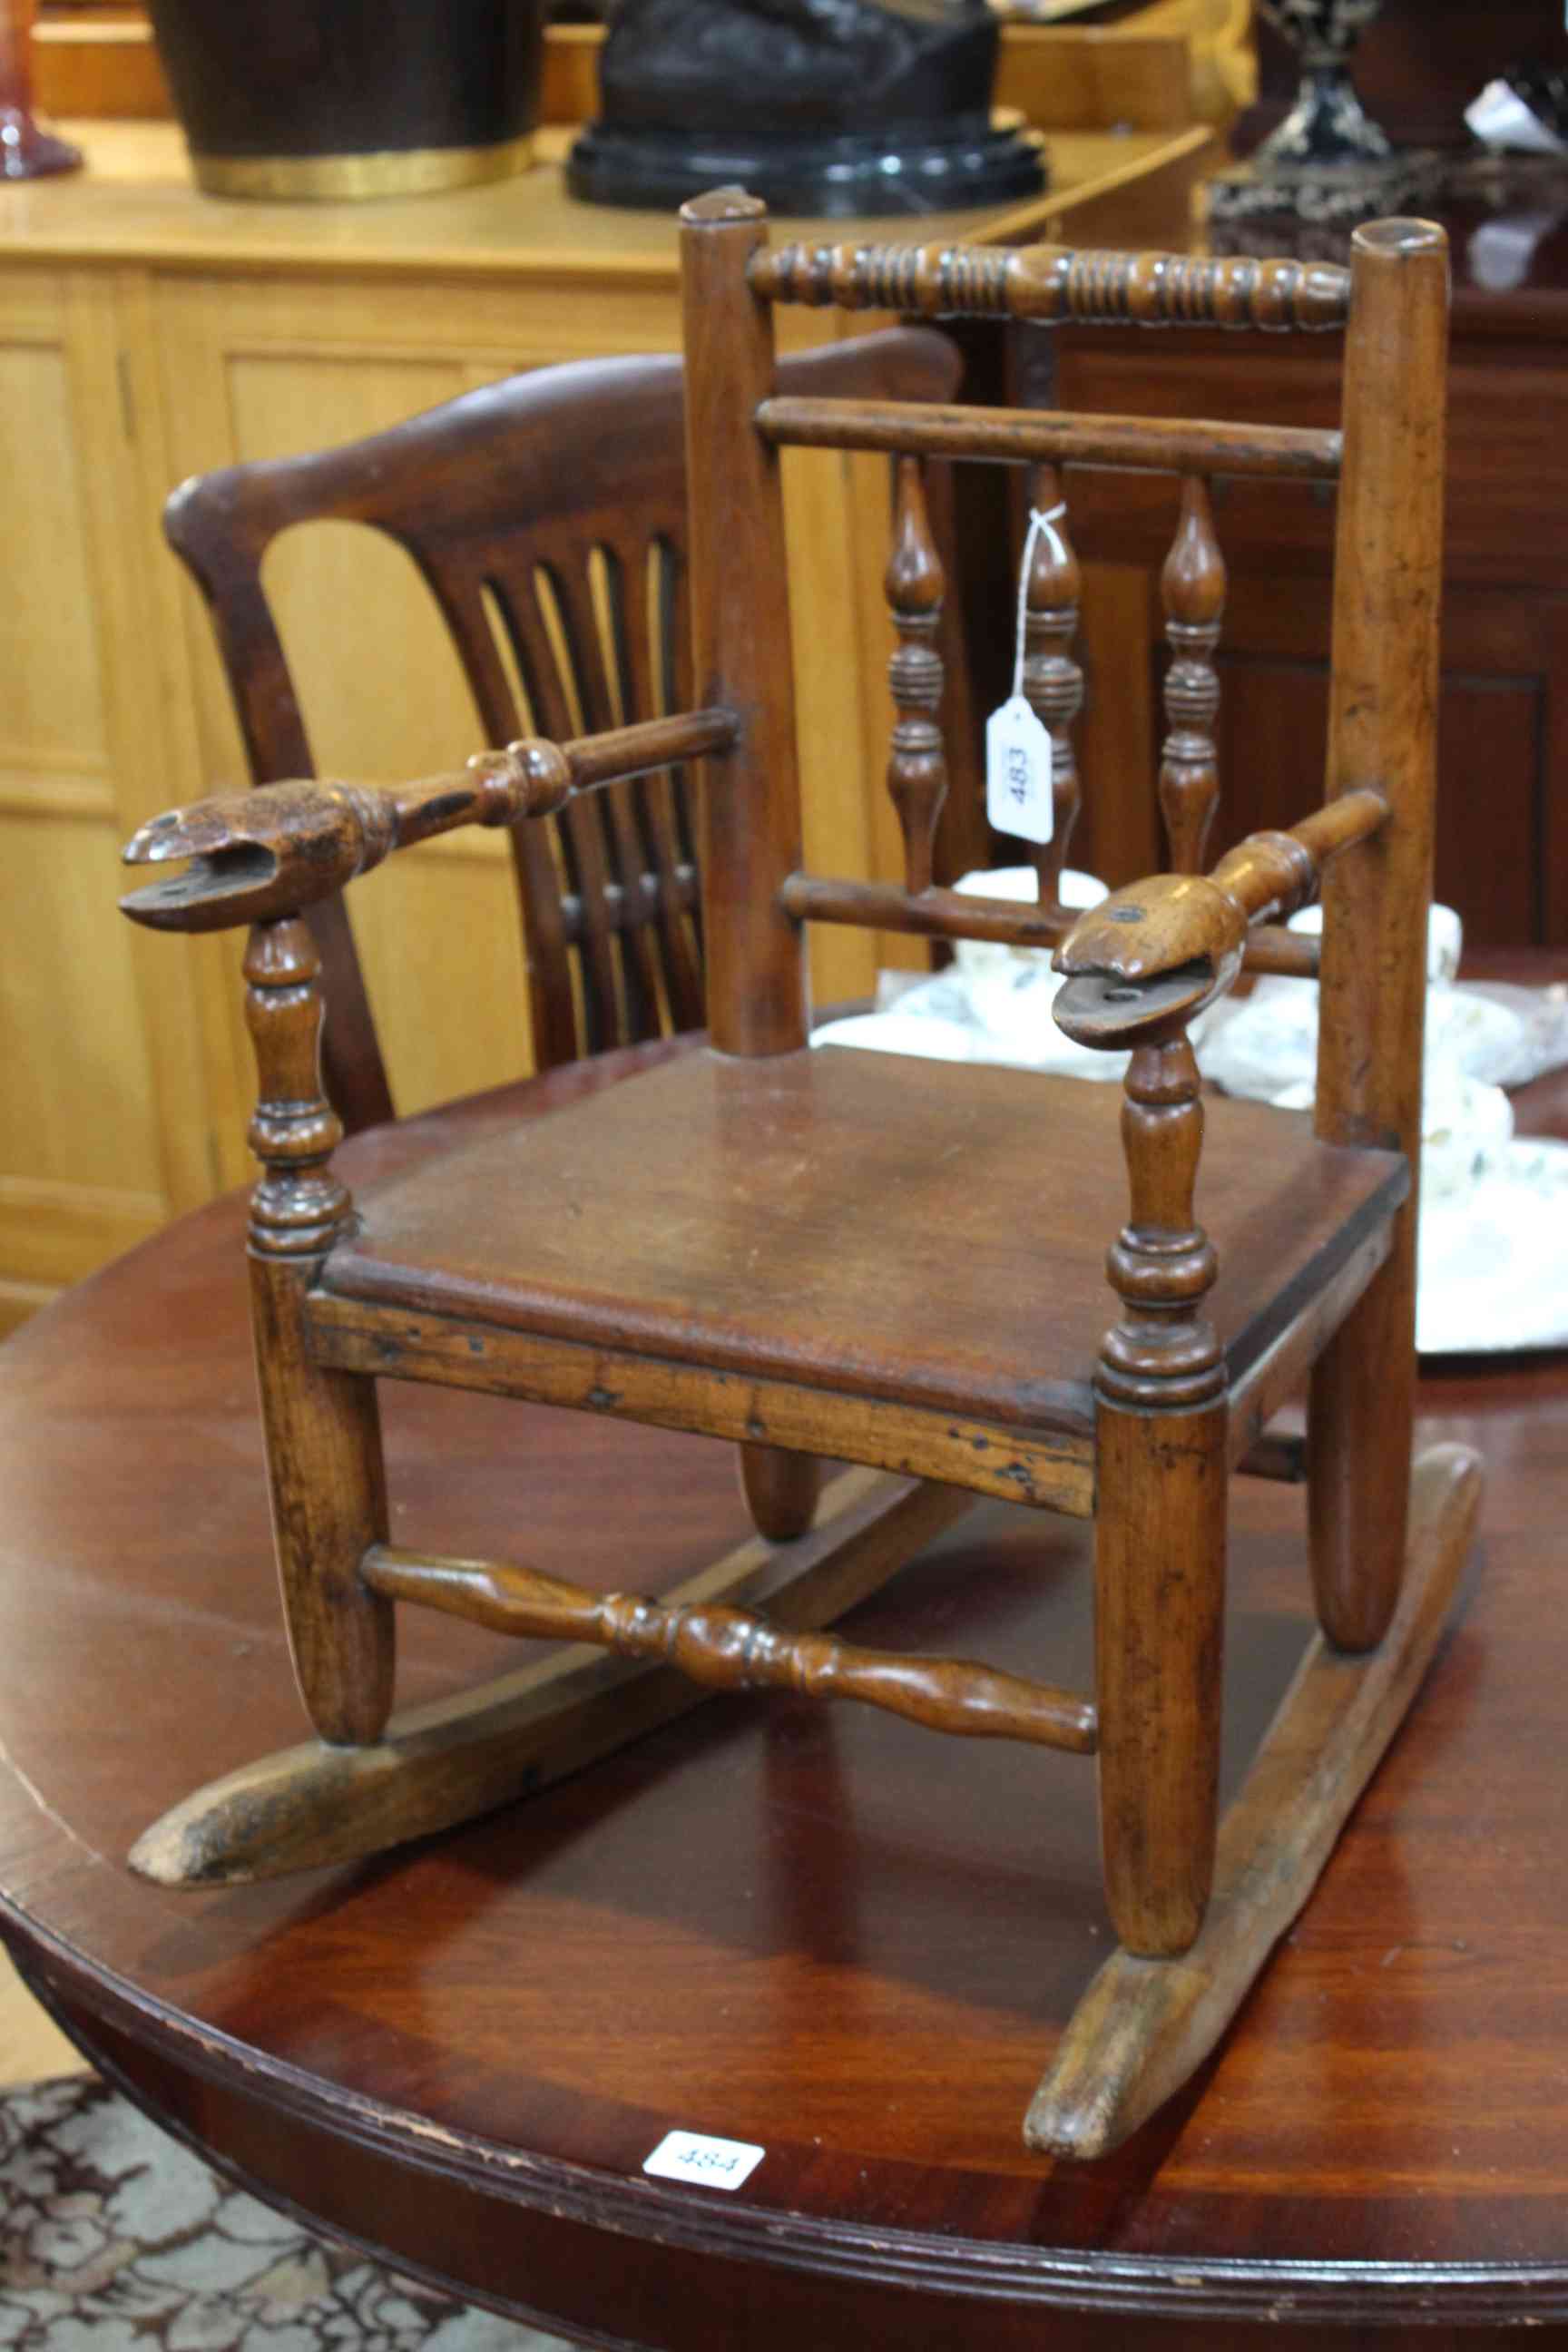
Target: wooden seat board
x,y
926,1232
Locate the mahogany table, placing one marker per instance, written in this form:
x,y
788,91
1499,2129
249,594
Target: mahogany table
x,y
820,1932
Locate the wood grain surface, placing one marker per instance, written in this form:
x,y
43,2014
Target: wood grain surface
x,y
762,1189
822,1933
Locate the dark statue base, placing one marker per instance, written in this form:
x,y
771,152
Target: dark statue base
x,y
1337,196
935,167
832,108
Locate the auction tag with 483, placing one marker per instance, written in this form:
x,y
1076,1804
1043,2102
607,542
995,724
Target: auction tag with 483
x,y
1018,773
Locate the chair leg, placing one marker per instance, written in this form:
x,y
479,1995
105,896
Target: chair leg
x,y
781,1489
1160,1553
1360,1438
1143,2028
328,1504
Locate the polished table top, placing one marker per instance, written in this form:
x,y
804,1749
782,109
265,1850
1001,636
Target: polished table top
x,y
818,1931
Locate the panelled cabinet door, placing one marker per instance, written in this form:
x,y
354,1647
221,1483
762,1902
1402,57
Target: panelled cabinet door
x,y
102,1133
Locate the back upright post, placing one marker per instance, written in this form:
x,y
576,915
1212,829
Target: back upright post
x,y
1381,733
744,659
751,823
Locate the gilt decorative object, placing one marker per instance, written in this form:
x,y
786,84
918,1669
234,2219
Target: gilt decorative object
x,y
831,108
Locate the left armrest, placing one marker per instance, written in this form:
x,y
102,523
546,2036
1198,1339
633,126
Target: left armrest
x,y
276,849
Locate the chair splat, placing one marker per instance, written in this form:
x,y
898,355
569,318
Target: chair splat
x,y
1053,682
1192,584
917,764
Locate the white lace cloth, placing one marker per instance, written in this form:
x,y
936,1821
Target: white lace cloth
x,y
1494,1208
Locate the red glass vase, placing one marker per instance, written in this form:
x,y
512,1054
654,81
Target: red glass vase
x,y
26,152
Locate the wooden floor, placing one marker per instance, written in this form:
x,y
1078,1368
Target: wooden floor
x,y
32,2047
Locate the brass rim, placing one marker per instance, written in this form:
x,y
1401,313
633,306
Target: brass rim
x,y
386,171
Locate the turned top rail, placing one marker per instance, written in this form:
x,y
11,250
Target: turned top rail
x,y
1048,282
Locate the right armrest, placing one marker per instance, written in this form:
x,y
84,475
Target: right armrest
x,y
1150,958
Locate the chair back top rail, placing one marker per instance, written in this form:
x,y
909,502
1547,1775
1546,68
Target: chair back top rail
x,y
1046,282
1022,436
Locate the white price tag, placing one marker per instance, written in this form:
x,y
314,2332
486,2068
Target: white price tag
x,y
1018,773
713,2163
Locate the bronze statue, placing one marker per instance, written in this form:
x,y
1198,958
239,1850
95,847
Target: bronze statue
x,y
834,107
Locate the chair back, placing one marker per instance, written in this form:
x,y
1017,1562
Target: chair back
x,y
1387,460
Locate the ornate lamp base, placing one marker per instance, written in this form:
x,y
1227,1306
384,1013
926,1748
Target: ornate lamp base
x,y
929,167
1327,195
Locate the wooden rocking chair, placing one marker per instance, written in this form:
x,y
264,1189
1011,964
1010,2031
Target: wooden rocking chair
x,y
845,1258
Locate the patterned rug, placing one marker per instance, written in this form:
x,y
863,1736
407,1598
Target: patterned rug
x,y
113,2238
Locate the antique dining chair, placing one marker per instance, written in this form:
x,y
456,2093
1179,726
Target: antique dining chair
x,y
546,515
845,1257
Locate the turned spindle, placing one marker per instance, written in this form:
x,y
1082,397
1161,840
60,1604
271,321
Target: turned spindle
x,y
298,1206
1192,584
1053,682
322,1432
917,765
1163,1351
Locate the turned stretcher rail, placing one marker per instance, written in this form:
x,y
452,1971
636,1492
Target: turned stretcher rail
x,y
1023,436
733,1649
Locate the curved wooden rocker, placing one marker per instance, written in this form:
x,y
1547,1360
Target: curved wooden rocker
x,y
1144,2027
447,1762
755,1242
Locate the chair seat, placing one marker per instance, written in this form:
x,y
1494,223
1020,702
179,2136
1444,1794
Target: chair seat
x,y
929,1231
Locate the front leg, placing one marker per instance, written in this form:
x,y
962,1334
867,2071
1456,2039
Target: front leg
x,y
1160,1527
322,1426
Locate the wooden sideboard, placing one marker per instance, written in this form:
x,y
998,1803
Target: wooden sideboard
x,y
1503,839
150,333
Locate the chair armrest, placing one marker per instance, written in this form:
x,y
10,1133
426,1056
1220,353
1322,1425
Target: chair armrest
x,y
273,851
1150,958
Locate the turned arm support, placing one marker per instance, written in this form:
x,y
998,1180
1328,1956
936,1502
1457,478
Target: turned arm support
x,y
1148,959
262,853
